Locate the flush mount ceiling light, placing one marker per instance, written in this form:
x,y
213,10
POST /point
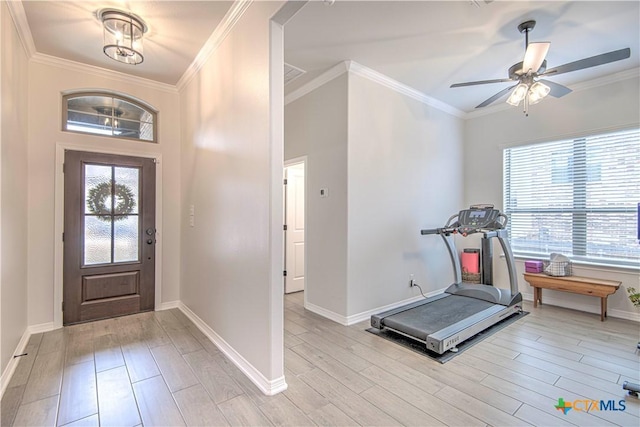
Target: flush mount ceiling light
x,y
123,32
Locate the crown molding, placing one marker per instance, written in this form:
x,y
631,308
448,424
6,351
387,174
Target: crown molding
x,y
67,64
606,80
16,10
223,29
402,88
368,73
374,76
232,16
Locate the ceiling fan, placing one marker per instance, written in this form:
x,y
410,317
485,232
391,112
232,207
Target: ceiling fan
x,y
530,87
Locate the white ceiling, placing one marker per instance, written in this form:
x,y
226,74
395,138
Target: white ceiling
x,y
177,31
429,45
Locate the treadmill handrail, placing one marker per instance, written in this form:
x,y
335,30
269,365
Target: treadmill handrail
x,y
453,254
441,230
510,261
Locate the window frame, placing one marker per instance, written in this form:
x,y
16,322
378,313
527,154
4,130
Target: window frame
x,y
580,208
140,104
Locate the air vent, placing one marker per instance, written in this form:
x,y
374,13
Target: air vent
x,y
291,73
478,3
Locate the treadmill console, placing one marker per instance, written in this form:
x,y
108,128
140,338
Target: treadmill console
x,y
479,217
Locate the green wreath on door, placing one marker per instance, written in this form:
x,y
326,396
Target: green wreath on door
x,y
99,194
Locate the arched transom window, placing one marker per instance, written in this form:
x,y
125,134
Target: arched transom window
x,y
108,114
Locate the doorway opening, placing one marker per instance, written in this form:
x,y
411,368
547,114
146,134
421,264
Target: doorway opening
x,y
294,225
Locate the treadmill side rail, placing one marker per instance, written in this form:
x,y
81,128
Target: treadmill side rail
x,y
455,334
377,319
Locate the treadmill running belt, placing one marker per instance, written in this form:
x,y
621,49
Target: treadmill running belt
x,y
426,319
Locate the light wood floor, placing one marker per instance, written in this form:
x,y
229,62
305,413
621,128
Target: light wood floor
x,y
159,369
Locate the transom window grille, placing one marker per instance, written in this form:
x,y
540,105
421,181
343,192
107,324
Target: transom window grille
x,y
108,115
577,197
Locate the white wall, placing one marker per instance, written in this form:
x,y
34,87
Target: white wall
x,y
597,109
405,174
46,84
226,177
393,166
13,188
316,127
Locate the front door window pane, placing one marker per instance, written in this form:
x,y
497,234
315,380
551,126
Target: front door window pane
x,y
97,189
125,238
111,218
127,184
97,240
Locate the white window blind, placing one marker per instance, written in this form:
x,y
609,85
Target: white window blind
x,y
576,197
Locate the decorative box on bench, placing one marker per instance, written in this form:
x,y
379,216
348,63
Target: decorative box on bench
x,y
533,266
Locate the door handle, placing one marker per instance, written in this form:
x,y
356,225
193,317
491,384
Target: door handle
x,y
149,241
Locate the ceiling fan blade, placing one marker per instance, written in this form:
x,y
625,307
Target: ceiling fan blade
x,y
480,82
534,56
495,97
593,61
557,90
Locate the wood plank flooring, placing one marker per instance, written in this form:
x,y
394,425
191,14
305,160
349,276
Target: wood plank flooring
x,y
159,369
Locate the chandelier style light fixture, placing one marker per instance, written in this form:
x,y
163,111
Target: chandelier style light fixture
x,y
123,32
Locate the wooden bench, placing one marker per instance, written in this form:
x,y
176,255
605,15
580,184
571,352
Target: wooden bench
x,y
575,284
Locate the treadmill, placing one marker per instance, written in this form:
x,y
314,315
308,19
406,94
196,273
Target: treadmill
x,y
444,321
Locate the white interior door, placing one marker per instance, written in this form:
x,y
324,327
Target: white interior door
x,y
294,233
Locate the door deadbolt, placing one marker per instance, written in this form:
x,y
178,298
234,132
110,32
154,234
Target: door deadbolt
x,y
150,231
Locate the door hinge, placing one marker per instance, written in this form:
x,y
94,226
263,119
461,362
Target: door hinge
x,y
63,236
284,273
63,167
284,227
62,305
285,181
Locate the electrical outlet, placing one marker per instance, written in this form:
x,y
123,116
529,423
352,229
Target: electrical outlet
x,y
411,281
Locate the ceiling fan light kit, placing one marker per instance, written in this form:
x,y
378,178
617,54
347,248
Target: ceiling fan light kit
x,y
530,88
537,92
123,34
518,94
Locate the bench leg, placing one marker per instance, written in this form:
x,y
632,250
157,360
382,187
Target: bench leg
x,y
537,296
603,308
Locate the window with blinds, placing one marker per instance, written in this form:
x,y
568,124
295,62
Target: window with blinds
x,y
577,197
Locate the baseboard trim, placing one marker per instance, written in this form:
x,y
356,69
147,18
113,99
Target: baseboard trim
x,y
169,305
22,344
365,315
268,387
338,318
595,308
40,328
13,363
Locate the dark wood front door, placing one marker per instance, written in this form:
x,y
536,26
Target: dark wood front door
x,y
109,235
